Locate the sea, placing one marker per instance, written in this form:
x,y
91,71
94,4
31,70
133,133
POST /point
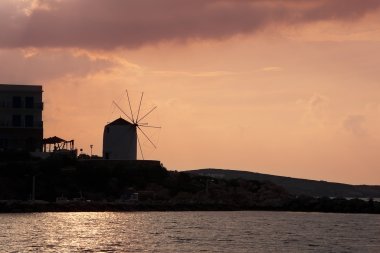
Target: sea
x,y
246,231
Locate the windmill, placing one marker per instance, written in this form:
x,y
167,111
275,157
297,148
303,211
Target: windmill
x,y
121,136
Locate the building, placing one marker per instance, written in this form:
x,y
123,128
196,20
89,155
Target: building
x,y
120,140
21,126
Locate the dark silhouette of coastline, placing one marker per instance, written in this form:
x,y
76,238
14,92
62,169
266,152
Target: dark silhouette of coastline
x,y
66,184
298,186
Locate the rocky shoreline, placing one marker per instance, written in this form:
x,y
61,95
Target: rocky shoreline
x,y
300,204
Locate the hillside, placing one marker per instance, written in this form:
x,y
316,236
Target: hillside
x,y
298,186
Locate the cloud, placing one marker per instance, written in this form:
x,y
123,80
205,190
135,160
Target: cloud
x,y
317,105
193,74
354,125
316,111
271,69
31,66
109,24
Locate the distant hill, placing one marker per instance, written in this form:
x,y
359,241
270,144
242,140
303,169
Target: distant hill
x,y
298,186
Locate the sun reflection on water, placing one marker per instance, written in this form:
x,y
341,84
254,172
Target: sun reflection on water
x,y
188,232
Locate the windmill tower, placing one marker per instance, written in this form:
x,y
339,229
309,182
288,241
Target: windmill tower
x,y
121,136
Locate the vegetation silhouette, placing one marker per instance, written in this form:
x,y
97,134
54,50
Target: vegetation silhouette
x,y
99,185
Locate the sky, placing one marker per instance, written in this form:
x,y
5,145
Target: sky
x,y
287,88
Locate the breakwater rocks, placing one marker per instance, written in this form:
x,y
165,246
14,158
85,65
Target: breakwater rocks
x,y
300,204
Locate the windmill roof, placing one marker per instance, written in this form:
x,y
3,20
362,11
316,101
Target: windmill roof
x,y
119,121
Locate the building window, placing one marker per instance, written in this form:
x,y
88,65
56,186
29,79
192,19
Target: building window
x,y
29,120
16,102
16,120
29,102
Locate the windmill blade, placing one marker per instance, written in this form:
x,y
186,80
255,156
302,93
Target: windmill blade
x,y
130,108
138,141
150,126
138,112
122,111
147,113
146,137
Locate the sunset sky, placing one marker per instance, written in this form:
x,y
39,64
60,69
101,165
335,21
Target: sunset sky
x,y
288,88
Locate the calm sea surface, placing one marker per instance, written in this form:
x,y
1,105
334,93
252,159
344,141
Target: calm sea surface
x,y
189,232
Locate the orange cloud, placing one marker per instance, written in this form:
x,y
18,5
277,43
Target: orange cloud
x,y
31,66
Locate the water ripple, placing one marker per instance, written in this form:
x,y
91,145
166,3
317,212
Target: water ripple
x,y
189,232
